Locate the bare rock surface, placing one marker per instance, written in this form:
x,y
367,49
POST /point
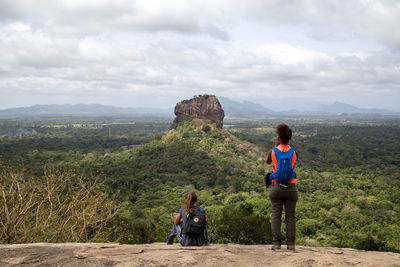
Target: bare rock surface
x,y
202,107
159,254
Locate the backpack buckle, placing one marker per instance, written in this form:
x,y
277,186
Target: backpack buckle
x,y
284,184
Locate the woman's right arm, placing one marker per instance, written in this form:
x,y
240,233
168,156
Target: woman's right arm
x,y
269,157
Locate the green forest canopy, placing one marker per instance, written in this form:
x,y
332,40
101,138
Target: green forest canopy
x,y
349,179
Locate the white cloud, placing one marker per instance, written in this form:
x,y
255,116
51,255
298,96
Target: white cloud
x,y
96,50
331,19
18,27
287,54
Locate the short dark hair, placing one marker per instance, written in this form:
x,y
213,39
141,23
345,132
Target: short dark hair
x,y
284,133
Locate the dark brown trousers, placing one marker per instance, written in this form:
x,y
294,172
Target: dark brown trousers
x,y
283,196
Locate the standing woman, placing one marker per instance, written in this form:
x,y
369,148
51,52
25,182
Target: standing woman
x,y
180,221
283,189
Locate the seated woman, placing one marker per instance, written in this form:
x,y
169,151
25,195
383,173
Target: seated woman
x,y
180,221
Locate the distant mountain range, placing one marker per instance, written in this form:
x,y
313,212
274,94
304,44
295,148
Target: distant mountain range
x,y
232,108
82,110
250,110
343,108
245,109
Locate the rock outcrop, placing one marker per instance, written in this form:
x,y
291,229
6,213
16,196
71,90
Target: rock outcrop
x,y
98,255
202,107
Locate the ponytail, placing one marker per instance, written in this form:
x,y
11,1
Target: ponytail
x,y
190,199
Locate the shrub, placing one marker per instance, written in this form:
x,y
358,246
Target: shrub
x,y
241,225
206,128
58,207
371,243
125,231
308,227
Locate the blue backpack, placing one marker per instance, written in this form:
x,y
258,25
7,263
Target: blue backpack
x,y
284,171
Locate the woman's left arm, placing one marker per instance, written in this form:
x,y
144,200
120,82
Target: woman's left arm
x,y
178,219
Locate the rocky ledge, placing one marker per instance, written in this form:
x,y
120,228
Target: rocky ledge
x,y
202,107
157,254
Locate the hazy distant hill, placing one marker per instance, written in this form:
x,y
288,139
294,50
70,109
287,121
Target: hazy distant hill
x,y
245,109
231,108
250,110
82,110
341,108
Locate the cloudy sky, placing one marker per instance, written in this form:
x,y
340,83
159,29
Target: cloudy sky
x,y
155,53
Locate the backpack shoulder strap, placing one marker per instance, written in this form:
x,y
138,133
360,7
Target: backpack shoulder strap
x,y
277,152
283,154
291,150
202,210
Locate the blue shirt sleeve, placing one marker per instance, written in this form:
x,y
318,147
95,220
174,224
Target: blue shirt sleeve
x,y
181,211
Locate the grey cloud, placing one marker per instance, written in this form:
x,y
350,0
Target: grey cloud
x,y
186,68
97,18
72,54
330,19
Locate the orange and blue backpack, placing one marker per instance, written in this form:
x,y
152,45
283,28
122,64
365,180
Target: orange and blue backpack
x,y
284,172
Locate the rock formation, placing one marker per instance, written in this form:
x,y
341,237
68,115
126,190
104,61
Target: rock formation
x,y
109,254
201,107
